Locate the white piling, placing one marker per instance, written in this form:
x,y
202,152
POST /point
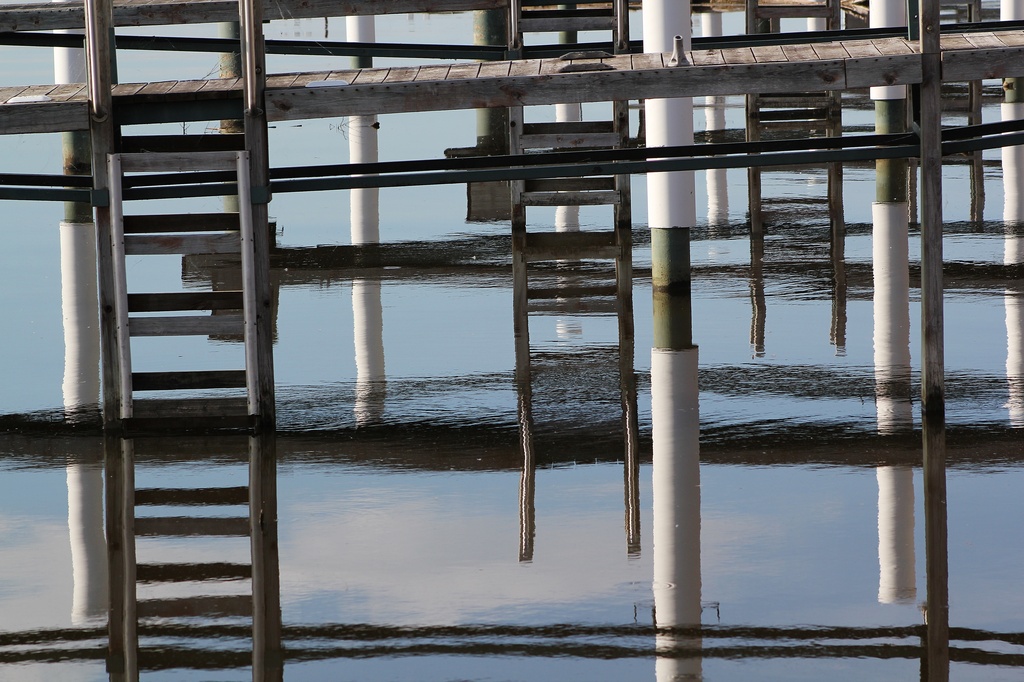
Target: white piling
x,y
890,266
363,148
675,416
670,196
897,581
714,120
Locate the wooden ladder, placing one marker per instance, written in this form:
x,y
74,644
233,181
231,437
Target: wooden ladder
x,y
541,16
773,115
161,605
191,398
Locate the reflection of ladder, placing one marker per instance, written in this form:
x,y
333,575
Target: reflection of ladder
x,y
194,569
198,398
565,288
771,115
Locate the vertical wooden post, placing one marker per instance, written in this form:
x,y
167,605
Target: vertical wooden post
x,y
99,60
932,393
254,75
932,380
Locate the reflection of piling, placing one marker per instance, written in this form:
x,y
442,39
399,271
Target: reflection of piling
x,y
88,544
1013,302
936,552
897,583
759,309
528,475
676,459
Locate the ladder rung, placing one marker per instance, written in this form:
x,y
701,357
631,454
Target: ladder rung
x,y
569,184
177,162
189,408
547,293
186,245
185,300
559,24
177,381
568,127
181,222
570,141
218,142
598,198
189,526
180,497
175,573
211,606
542,246
187,325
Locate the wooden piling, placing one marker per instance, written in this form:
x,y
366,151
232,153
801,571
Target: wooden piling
x,y
256,143
932,381
100,62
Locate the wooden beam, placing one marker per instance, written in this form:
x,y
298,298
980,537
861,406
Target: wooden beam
x,y
51,16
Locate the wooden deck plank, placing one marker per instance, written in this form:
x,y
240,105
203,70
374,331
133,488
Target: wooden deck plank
x,y
494,69
160,88
894,46
830,51
366,76
347,75
463,72
1012,38
221,85
10,92
433,72
769,53
739,55
799,53
401,74
957,42
984,40
860,48
652,60
528,67
707,58
68,91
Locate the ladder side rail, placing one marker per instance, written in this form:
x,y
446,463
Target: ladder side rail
x,y
249,308
122,333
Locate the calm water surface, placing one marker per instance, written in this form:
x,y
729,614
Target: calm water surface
x,y
430,528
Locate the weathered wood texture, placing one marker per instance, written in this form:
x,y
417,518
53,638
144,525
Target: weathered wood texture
x,y
832,66
49,16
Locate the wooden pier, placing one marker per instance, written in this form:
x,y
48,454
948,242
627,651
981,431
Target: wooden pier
x,y
840,65
778,64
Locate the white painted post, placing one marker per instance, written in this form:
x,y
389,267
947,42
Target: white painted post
x,y
670,196
890,244
362,140
714,117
